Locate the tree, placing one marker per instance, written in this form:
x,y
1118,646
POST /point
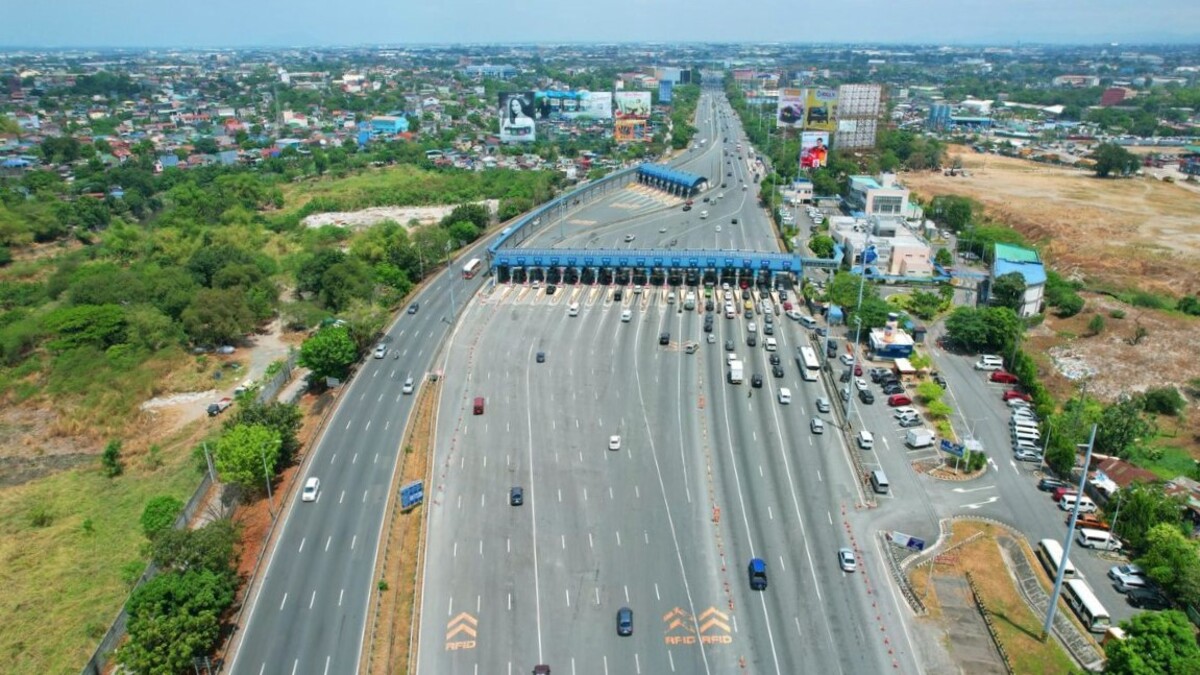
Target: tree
x,y
943,257
284,418
208,548
173,618
1061,458
217,316
986,329
111,459
1164,401
308,276
822,246
344,282
1155,642
928,392
248,455
1009,291
1171,561
1112,159
159,515
955,211
1189,304
100,326
924,304
329,352
1121,425
1142,507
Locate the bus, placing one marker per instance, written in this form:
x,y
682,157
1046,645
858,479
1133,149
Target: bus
x,y
1085,605
472,268
806,358
1050,553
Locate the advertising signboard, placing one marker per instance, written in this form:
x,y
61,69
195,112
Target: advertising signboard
x,y
820,107
516,117
632,104
664,91
570,105
814,149
790,112
630,131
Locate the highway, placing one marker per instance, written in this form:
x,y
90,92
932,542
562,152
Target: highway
x,y
708,476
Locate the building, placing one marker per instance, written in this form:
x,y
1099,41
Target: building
x,y
1116,95
900,252
500,72
388,125
884,197
890,342
939,117
1076,81
1026,262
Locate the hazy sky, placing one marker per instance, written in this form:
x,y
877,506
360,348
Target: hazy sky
x,y
183,23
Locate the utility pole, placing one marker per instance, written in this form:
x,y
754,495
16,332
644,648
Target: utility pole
x,y
1066,547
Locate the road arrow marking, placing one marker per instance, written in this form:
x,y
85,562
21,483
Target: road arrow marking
x,y
990,500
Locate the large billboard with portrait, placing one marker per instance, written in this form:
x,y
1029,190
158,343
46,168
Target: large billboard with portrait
x,y
516,117
790,111
820,109
570,105
814,149
632,104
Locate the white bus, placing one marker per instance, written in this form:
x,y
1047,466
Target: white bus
x,y
806,358
472,268
1085,605
1051,554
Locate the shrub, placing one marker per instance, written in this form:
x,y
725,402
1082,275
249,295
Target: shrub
x,y
1117,314
111,459
1163,401
1096,324
159,515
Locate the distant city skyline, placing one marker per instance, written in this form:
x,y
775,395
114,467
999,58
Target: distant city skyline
x,y
309,23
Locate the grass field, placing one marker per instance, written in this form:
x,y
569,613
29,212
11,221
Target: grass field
x,y
64,581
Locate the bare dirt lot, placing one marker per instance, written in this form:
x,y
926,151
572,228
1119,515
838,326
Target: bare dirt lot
x,y
1128,233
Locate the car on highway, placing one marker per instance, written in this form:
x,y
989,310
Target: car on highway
x,y
408,386
536,283
311,487
846,560
777,370
816,426
614,442
1013,393
785,395
1004,377
412,309
751,341
626,315
822,404
846,358
516,496
541,669
712,339
756,381
664,338
686,207
729,345
629,238
733,221
757,571
897,400
380,350
774,359
624,622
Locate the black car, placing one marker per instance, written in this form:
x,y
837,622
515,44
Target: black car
x,y
617,294
831,348
516,496
708,327
846,375
729,345
412,309
774,359
745,293
664,339
941,381
756,381
708,305
777,370
1052,484
769,329
749,314
624,621
687,207
1147,598
783,296
733,221
550,289
541,357
866,396
893,388
751,341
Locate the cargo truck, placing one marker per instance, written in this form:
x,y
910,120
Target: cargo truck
x,y
735,372
919,438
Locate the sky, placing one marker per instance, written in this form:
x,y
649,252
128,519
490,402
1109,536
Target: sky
x,y
317,23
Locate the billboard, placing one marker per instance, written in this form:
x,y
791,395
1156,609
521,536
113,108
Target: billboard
x,y
570,105
820,107
814,149
631,130
632,104
516,117
664,91
790,111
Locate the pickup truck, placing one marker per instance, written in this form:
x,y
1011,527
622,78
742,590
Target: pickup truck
x,y
219,407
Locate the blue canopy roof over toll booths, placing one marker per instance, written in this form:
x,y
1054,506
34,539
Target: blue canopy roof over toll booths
x,y
669,179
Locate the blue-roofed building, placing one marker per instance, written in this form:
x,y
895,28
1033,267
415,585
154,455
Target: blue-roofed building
x,y
1026,262
388,125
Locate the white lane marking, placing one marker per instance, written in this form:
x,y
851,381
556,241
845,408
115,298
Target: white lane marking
x,y
340,594
312,600
353,541
284,602
328,542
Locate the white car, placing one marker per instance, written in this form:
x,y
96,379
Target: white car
x,y
816,426
614,442
627,315
311,487
718,228
380,351
751,327
785,395
906,411
861,384
846,560
408,386
629,238
847,358
1127,575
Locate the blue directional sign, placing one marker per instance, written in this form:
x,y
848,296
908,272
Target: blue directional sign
x,y
412,495
952,448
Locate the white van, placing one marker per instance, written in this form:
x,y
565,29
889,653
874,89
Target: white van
x,y
807,321
1086,505
989,362
1025,434
1100,539
703,214
785,395
866,440
573,309
879,482
770,344
627,316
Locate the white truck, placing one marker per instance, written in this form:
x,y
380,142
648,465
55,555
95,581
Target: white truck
x,y
919,438
736,372
689,301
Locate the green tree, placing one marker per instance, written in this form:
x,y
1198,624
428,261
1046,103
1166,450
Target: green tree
x,y
110,459
210,548
927,392
955,211
1112,159
1171,561
284,418
217,316
329,352
943,257
1155,643
1009,291
1164,401
100,326
1142,507
173,618
1061,458
1121,425
308,276
159,515
822,246
476,214
345,282
248,456
924,304
987,329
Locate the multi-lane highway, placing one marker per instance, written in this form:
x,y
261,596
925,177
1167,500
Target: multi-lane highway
x,y
708,475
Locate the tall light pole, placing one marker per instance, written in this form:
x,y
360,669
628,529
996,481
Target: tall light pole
x,y
1062,564
869,256
262,451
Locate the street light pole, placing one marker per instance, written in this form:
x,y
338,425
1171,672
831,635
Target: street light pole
x,y
1066,548
868,256
262,451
